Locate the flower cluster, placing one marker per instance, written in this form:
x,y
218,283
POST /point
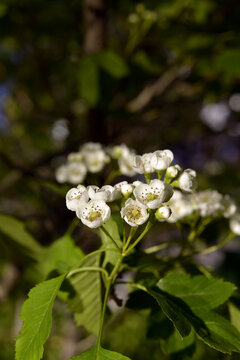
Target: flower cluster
x,y
90,158
137,201
206,204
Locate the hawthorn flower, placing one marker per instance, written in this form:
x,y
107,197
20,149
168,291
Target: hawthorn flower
x,y
161,159
113,191
73,172
209,203
94,156
181,206
154,194
142,164
94,213
75,157
125,161
235,224
187,180
229,206
163,213
106,193
90,147
137,182
62,174
76,195
76,172
134,213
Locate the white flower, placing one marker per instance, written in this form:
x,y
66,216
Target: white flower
x,y
125,161
75,157
229,206
106,193
95,161
73,172
90,147
161,159
137,182
120,184
181,206
125,188
134,213
163,212
209,203
154,194
94,213
62,174
76,172
142,164
187,180
113,191
76,195
235,224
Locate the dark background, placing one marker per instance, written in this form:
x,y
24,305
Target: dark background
x,y
155,75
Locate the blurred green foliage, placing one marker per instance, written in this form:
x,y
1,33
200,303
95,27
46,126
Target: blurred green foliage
x,y
160,63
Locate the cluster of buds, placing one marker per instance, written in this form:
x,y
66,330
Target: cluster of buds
x,y
205,204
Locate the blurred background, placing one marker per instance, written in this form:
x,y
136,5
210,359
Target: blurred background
x,y
153,75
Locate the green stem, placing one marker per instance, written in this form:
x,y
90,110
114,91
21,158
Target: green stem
x,y
131,234
159,247
111,280
110,237
112,176
99,338
87,268
219,245
147,177
72,226
149,224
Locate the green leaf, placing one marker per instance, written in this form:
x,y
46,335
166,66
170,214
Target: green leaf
x,y
223,336
234,315
16,231
172,310
61,252
112,228
113,64
87,302
175,343
100,354
228,62
88,78
199,292
143,60
37,319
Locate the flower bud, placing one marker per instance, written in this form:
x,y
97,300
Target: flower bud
x,y
163,212
172,172
126,190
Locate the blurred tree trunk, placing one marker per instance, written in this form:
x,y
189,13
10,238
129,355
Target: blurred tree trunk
x,y
94,16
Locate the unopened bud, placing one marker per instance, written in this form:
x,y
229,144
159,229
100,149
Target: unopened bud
x,y
163,213
126,190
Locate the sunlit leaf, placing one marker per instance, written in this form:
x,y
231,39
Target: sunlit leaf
x,y
199,292
100,354
37,319
87,302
